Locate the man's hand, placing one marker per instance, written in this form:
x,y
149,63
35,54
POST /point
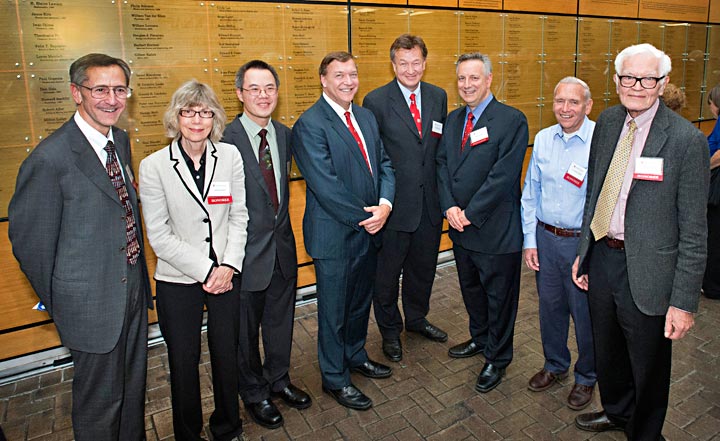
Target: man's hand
x,y
677,323
531,259
220,280
456,218
375,223
582,281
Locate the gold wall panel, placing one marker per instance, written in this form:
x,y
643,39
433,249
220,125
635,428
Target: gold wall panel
x,y
14,118
594,61
482,32
55,33
10,54
480,4
558,61
319,29
714,14
303,88
612,8
53,105
652,32
10,160
440,3
690,10
236,33
549,6
712,69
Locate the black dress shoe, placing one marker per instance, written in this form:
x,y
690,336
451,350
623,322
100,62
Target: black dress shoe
x,y
431,332
392,349
294,397
265,413
489,378
595,422
350,396
372,369
465,350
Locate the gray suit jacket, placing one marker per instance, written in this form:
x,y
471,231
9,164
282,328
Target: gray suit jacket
x,y
269,235
67,234
413,158
338,181
665,222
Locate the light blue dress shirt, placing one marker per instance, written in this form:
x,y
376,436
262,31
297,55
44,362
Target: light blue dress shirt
x,y
547,196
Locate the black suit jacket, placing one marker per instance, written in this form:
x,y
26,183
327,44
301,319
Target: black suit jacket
x,y
269,235
413,157
485,180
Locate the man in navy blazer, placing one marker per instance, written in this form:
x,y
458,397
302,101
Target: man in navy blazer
x,y
267,295
642,246
411,114
350,189
69,229
479,164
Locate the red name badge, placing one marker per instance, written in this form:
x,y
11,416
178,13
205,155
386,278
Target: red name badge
x,y
648,169
575,175
437,128
213,200
479,136
219,193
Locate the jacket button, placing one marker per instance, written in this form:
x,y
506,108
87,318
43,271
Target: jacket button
x,y
207,239
122,249
206,220
123,280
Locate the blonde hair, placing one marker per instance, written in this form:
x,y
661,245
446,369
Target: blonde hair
x,y
193,94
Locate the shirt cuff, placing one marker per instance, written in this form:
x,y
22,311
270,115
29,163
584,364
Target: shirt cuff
x,y
384,201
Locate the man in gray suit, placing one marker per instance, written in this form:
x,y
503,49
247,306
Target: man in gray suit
x,y
267,297
75,229
642,244
411,114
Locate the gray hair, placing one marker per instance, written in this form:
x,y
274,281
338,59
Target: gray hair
x,y
191,94
575,80
664,63
476,56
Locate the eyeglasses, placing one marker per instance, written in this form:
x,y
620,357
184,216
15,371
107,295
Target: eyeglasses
x,y
255,91
189,113
646,82
100,92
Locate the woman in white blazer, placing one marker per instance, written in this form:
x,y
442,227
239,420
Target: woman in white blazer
x,y
193,203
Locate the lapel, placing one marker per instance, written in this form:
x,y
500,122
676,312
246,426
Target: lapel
x,y
281,160
89,164
657,136
426,112
183,172
485,120
365,126
342,130
401,109
211,160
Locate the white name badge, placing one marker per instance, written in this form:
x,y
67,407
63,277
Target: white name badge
x,y
219,193
478,136
575,174
648,169
437,128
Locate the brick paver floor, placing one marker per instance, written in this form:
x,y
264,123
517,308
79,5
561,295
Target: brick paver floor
x,y
429,396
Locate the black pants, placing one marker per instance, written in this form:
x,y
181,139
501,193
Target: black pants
x,y
632,357
180,314
711,281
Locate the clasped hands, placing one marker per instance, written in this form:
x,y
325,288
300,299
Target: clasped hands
x,y
374,223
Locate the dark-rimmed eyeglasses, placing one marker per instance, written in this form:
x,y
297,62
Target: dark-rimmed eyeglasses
x,y
100,92
645,82
189,113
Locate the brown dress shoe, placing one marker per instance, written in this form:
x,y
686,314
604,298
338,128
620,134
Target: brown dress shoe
x,y
543,380
580,396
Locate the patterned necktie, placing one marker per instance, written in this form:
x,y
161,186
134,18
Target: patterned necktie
x,y
266,167
357,139
610,191
468,128
415,114
132,250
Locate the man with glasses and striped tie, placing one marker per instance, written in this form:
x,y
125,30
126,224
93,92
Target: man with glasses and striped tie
x,y
642,244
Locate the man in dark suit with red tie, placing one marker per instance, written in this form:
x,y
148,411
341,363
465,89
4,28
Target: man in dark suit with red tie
x,y
411,114
479,164
350,189
267,295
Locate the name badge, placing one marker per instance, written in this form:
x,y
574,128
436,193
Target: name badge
x,y
219,193
478,136
129,174
648,169
437,128
575,175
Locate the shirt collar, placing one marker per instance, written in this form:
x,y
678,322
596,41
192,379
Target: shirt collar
x,y
253,128
644,120
336,107
406,92
584,133
480,108
97,140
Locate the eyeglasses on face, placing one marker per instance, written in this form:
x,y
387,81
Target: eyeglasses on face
x,y
645,82
100,92
189,113
256,91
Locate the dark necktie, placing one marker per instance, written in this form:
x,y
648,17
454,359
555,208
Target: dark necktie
x,y
415,113
468,128
112,166
266,167
357,139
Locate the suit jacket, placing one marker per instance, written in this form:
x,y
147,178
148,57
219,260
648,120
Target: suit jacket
x,y
270,235
413,157
665,222
485,180
182,224
338,181
66,234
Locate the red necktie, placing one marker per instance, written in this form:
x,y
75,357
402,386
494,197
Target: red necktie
x,y
357,139
415,113
132,250
468,129
266,167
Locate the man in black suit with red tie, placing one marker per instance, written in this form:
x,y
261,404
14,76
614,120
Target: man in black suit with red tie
x,y
479,164
411,114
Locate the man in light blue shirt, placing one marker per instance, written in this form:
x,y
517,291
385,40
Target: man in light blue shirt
x,y
552,208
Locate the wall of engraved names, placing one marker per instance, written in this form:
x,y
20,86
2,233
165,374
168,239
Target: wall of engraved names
x,y
167,43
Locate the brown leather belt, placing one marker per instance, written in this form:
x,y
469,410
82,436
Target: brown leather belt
x,y
615,244
562,232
